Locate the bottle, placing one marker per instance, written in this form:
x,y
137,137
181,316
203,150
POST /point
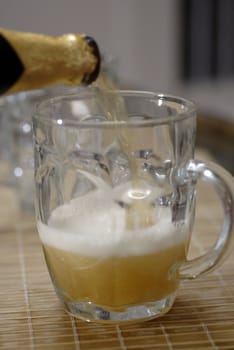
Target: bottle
x,y
31,61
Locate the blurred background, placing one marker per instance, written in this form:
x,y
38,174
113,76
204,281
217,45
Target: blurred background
x,y
182,47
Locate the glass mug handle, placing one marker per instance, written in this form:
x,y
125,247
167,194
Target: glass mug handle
x,y
223,183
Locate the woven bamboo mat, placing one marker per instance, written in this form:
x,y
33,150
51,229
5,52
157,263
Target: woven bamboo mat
x,y
32,318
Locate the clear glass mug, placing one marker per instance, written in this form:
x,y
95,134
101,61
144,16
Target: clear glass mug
x,y
115,243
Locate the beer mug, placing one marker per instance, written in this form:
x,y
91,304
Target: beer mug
x,y
115,202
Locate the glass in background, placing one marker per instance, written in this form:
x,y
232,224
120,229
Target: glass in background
x,y
16,152
9,208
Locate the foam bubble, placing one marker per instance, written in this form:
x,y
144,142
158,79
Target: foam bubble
x,y
95,225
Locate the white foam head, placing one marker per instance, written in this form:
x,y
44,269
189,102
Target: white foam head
x,y
95,225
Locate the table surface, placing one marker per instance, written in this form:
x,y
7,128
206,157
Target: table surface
x,y
31,316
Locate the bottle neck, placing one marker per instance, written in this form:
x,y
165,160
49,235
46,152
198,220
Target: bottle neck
x,y
32,61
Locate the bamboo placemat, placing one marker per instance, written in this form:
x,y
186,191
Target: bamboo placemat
x,y
32,318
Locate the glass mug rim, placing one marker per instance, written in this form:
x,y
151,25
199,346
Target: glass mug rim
x,y
184,109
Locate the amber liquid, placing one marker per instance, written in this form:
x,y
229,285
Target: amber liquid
x,y
115,282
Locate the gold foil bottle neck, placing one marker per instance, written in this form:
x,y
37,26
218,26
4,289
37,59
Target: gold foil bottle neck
x,y
70,59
